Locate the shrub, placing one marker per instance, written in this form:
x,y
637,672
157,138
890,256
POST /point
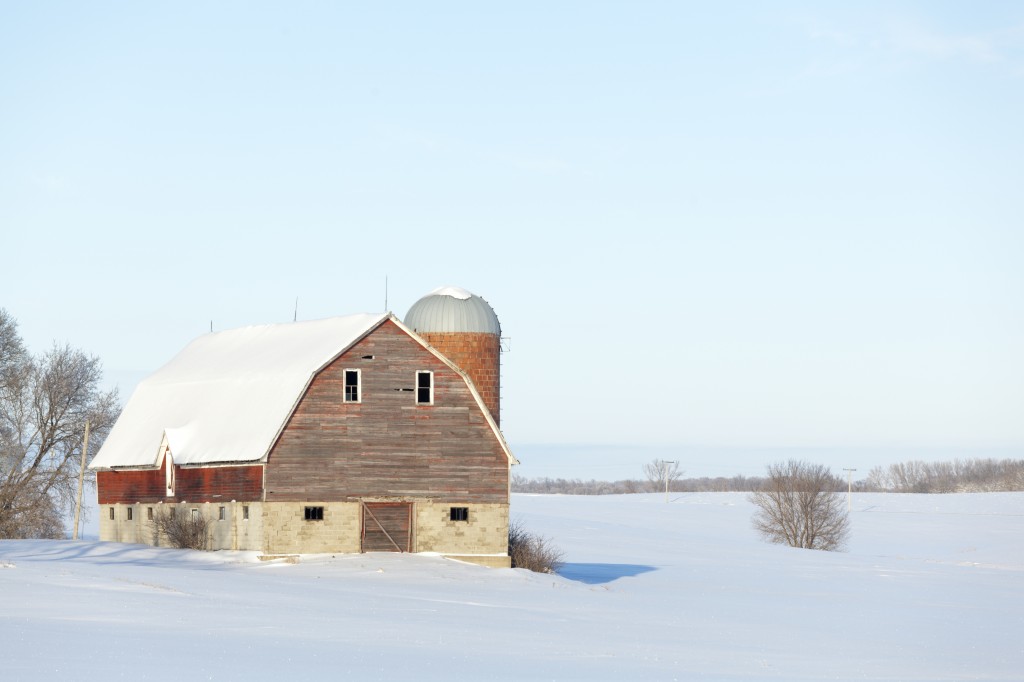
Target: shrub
x,y
532,552
184,531
797,506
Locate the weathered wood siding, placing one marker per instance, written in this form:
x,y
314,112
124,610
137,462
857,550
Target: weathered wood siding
x,y
212,484
387,446
387,527
128,486
202,484
479,356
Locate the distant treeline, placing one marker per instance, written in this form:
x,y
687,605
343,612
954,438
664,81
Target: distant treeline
x,y
575,486
957,476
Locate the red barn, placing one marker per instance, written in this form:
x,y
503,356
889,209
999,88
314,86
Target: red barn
x,y
350,434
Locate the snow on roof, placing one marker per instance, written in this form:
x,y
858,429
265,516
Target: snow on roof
x,y
452,309
454,292
225,397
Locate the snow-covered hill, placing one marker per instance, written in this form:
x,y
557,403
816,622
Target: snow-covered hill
x,y
932,588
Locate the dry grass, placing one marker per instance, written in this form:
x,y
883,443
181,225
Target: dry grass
x,y
532,552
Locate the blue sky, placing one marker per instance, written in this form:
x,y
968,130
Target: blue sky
x,y
706,229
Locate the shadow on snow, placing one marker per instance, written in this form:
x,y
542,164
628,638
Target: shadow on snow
x,y
598,574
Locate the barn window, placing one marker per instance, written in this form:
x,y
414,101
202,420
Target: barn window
x,y
149,513
424,388
314,513
220,514
245,513
111,513
351,385
459,514
129,515
195,514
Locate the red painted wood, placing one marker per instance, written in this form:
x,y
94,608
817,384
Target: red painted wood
x,y
203,484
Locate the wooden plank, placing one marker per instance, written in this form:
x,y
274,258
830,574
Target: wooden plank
x,y
194,484
387,445
386,527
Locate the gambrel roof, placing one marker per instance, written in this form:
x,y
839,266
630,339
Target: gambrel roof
x,y
227,396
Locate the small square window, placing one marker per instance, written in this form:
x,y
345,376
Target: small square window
x,y
220,514
352,385
459,514
111,513
245,513
149,513
424,388
129,515
314,513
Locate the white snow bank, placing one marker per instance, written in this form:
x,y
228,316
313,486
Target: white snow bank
x,y
932,588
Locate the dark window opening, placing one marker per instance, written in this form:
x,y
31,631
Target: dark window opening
x,y
111,513
314,513
195,514
351,386
221,515
459,514
367,357
149,513
129,510
245,513
424,388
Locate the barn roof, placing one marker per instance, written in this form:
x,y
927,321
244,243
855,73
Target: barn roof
x,y
226,395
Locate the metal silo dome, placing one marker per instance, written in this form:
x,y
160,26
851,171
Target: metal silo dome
x,y
452,310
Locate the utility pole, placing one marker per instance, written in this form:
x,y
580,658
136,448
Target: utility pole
x,y
849,489
81,481
664,470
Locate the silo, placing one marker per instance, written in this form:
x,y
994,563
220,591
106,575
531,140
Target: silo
x,y
464,328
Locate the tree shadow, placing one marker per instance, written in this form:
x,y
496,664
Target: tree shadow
x,y
599,574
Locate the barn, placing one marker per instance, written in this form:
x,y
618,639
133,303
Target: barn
x,y
350,434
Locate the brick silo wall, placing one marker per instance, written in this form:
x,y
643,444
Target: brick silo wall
x,y
478,355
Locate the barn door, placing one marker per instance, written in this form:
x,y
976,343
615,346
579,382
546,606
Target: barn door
x,y
387,526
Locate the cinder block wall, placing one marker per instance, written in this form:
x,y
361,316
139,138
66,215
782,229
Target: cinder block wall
x,y
281,528
234,531
484,533
287,532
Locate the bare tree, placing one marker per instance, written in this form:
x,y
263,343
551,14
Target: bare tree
x,y
660,473
45,402
184,531
959,475
530,551
798,506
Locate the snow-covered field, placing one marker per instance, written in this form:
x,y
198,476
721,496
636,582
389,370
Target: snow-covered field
x,y
932,588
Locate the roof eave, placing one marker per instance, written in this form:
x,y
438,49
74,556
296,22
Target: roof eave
x,y
469,383
309,380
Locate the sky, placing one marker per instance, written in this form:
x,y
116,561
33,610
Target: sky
x,y
706,230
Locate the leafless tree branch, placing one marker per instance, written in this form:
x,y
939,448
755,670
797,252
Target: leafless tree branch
x,y
798,505
45,402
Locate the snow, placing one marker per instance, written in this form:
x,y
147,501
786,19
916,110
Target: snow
x,y
932,588
454,292
225,396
